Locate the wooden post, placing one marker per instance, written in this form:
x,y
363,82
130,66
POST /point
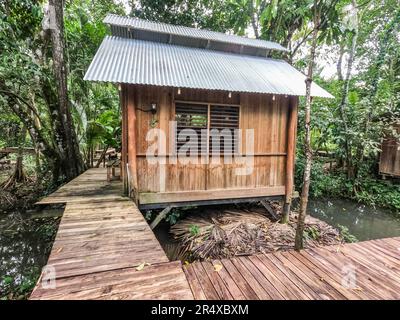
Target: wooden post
x,y
290,157
124,137
131,142
160,216
269,209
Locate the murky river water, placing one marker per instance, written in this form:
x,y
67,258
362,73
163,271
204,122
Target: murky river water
x,y
364,222
24,247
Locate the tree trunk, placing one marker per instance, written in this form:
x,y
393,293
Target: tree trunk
x,y
254,19
18,175
344,101
71,160
307,137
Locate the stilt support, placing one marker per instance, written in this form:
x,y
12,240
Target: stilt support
x,y
160,216
269,209
285,212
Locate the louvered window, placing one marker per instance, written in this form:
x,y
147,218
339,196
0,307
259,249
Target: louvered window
x,y
190,116
225,119
221,127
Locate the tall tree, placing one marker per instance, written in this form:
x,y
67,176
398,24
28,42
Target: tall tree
x,y
351,27
68,148
307,136
322,13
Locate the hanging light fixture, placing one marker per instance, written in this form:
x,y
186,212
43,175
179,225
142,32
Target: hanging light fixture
x,y
153,108
230,95
179,91
273,97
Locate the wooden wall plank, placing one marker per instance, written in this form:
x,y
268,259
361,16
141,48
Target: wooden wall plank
x,y
266,116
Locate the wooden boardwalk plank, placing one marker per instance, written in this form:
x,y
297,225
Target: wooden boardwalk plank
x,y
218,283
238,278
229,282
194,283
262,280
251,280
282,277
205,283
164,281
311,281
362,264
101,239
344,265
325,275
315,273
293,277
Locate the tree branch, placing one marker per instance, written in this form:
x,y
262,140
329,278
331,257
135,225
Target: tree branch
x,y
21,100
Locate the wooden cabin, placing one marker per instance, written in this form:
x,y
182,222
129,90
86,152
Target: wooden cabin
x,y
203,81
389,162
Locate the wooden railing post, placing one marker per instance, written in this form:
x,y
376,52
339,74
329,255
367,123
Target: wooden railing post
x,y
124,137
290,157
131,142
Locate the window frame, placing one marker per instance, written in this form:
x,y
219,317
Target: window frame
x,y
208,104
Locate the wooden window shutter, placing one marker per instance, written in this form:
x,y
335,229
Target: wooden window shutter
x,y
225,117
191,116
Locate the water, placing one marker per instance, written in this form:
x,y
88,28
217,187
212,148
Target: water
x,y
169,245
25,243
364,222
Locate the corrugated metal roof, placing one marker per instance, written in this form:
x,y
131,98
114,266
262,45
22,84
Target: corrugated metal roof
x,y
122,60
140,24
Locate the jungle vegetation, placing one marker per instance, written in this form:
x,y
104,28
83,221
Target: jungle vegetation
x,y
350,47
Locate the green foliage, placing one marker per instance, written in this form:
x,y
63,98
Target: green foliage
x,y
346,235
206,14
194,230
366,189
22,290
174,216
311,232
148,215
378,193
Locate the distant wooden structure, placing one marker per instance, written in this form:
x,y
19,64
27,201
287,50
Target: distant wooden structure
x,y
111,166
8,150
389,162
204,81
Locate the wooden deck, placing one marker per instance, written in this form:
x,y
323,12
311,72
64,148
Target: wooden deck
x,y
91,185
313,274
103,238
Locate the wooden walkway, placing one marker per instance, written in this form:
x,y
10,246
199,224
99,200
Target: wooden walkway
x,y
365,270
90,185
101,240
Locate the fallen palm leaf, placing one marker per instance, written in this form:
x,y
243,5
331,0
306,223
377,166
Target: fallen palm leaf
x,y
227,232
